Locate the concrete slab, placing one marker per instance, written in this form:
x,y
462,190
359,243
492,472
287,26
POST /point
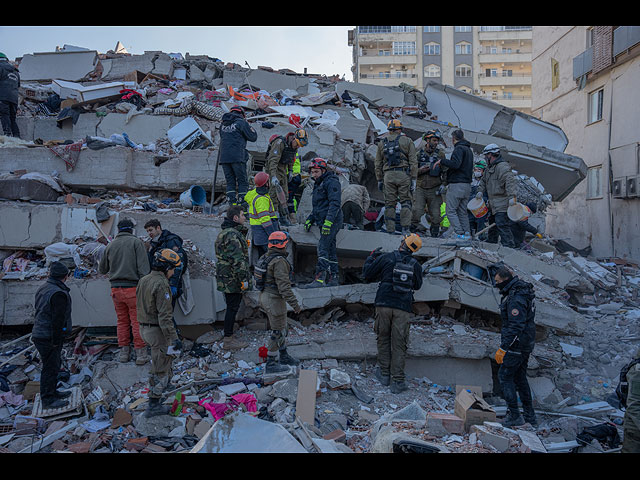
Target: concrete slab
x,y
379,95
144,129
451,371
272,82
71,66
29,225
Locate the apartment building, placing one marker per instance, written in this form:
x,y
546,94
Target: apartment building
x,y
491,62
585,80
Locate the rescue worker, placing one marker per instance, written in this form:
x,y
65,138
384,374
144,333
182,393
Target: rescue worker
x,y
9,87
326,213
519,229
280,156
275,295
399,275
52,322
235,132
262,215
477,224
430,179
232,272
155,315
517,340
295,180
631,423
125,261
396,169
499,182
355,203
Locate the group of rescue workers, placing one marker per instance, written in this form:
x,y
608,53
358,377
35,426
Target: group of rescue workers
x,y
420,181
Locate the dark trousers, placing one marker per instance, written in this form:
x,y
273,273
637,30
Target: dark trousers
x,y
353,214
294,185
327,252
502,229
235,175
51,356
8,118
513,380
233,305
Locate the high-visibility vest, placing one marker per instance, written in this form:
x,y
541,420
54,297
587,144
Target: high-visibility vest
x,y
445,221
295,169
261,211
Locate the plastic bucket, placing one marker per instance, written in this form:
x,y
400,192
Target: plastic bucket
x,y
477,207
196,195
518,212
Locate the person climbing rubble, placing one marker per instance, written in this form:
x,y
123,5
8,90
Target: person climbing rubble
x,y
273,279
355,203
326,213
262,215
125,261
155,315
518,336
399,275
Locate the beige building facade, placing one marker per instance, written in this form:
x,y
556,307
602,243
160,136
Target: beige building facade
x,y
586,80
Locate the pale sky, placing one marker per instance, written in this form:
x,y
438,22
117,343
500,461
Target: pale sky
x,y
322,50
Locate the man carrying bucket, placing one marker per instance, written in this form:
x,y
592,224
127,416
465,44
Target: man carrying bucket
x,y
478,209
499,182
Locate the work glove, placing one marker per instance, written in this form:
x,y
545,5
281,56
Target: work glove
x,y
326,228
539,235
307,224
174,291
381,186
500,356
376,252
244,286
413,185
175,347
512,201
479,195
275,182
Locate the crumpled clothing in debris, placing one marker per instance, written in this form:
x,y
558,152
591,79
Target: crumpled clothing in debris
x,y
10,398
69,153
207,111
219,410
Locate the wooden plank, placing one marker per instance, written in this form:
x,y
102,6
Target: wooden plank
x,y
306,401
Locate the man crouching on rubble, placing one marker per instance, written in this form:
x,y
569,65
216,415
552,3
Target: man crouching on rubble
x,y
155,315
399,275
517,340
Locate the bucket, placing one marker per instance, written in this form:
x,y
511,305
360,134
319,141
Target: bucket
x,y
518,212
196,195
477,207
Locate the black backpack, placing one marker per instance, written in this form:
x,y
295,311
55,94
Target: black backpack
x,y
392,151
623,387
260,269
403,274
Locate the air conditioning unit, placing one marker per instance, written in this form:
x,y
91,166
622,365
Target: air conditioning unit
x,y
619,187
632,187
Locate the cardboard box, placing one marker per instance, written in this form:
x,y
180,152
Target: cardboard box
x,y
471,407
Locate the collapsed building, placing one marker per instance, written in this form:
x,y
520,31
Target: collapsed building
x,y
107,136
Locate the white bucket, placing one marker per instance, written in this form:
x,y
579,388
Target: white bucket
x,y
477,207
196,195
518,212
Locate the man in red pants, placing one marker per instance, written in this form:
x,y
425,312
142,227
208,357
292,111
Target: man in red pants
x,y
125,261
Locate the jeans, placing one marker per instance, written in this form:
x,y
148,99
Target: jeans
x,y
502,228
51,361
327,252
233,305
235,175
8,118
513,379
457,199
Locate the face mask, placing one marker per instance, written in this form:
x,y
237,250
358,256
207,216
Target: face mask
x,y
477,174
501,285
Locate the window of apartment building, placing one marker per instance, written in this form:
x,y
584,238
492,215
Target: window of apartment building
x,y
491,72
463,71
431,29
462,29
404,48
432,48
506,50
384,53
463,48
594,182
432,71
507,73
507,95
493,49
590,33
595,105
384,74
400,29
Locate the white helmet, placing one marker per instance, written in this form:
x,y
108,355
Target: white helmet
x,y
491,148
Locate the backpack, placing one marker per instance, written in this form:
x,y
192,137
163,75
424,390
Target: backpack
x,y
288,156
260,270
392,151
623,387
403,274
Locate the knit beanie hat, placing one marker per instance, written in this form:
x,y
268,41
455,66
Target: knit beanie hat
x,y
125,224
58,270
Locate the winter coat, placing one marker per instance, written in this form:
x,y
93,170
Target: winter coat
x,y
235,132
278,277
326,198
500,184
232,253
460,164
518,312
153,303
9,82
52,312
125,260
358,195
425,157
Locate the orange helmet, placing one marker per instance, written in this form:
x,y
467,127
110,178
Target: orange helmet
x,y
318,163
413,242
394,124
301,138
278,239
261,178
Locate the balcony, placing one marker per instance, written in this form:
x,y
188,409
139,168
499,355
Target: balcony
x,y
583,63
625,38
387,60
505,35
516,101
514,57
390,80
499,80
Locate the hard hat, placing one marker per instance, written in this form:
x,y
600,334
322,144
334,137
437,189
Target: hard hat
x,y
432,133
413,242
278,239
301,137
394,124
237,108
480,164
167,257
261,178
491,148
2,55
318,163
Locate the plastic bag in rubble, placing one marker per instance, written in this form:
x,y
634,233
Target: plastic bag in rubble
x,y
60,250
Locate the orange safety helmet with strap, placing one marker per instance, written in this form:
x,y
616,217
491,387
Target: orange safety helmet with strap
x,y
318,163
413,242
278,239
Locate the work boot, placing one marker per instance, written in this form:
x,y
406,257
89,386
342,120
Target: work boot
x,y
155,408
274,366
142,356
319,281
333,280
284,221
513,419
62,394
286,359
529,415
383,379
233,343
398,387
125,353
54,403
434,230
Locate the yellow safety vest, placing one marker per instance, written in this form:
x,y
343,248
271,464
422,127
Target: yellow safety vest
x,y
261,211
296,165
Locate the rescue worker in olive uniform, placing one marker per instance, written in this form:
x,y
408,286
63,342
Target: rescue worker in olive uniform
x,y
155,315
281,155
276,293
499,182
517,340
430,179
262,215
396,169
326,213
232,270
295,180
399,275
631,425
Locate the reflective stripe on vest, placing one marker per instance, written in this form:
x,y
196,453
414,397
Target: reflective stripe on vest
x,y
259,213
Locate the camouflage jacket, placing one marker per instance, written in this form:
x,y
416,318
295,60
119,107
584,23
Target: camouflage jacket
x,y
233,257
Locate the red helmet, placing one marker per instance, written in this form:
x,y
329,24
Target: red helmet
x,y
278,239
318,163
237,108
261,178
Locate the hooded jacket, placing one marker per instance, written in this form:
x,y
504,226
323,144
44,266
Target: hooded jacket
x,y
9,82
173,242
326,198
518,312
460,164
235,132
500,184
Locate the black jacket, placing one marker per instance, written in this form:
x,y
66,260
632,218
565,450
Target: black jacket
x,y
326,199
52,312
235,132
173,242
379,267
460,164
518,316
9,82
